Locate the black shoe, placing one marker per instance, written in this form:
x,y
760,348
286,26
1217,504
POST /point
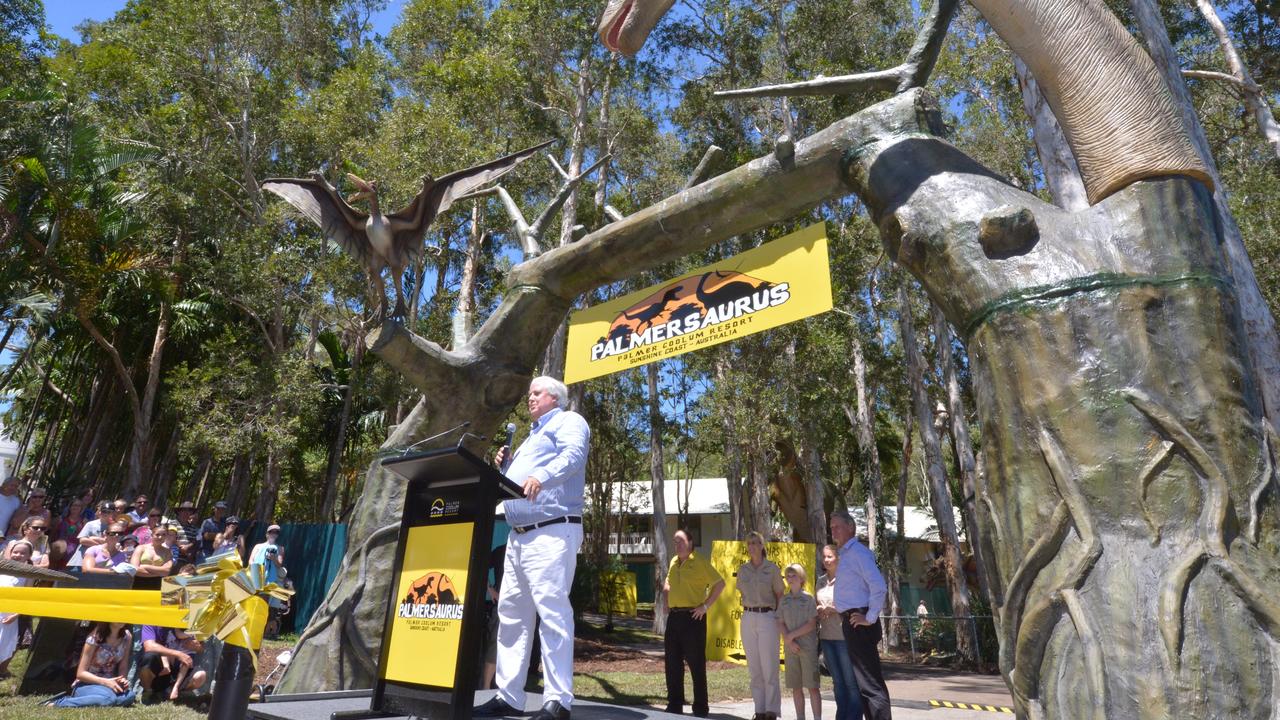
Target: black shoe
x,y
496,707
551,711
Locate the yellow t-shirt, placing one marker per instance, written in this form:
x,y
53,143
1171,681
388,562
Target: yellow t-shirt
x,y
690,581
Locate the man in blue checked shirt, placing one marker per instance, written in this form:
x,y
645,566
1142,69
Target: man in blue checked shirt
x,y
542,551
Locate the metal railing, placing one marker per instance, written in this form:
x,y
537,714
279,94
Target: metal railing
x,y
925,634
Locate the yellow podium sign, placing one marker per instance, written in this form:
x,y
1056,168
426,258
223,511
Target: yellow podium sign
x,y
724,637
426,630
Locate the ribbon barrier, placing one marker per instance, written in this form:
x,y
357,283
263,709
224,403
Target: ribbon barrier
x,y
225,600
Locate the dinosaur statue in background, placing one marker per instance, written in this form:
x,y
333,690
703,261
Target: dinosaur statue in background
x,y
1110,99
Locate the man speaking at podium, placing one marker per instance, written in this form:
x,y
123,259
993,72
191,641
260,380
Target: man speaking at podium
x,y
542,552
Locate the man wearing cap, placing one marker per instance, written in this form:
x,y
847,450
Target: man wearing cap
x,y
542,551
210,529
91,534
188,532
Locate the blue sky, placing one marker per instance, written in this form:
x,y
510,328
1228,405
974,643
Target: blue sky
x,y
63,15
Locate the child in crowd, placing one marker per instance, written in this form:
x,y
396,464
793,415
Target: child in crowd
x,y
20,552
798,623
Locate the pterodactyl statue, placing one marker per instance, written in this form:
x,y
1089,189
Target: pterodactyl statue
x,y
381,241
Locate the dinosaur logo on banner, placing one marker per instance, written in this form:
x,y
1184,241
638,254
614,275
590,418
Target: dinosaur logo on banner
x,y
781,281
432,597
688,306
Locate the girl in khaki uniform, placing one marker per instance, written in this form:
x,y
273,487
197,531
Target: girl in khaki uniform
x,y
798,623
760,585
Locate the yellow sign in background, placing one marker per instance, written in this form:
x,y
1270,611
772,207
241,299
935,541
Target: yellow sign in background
x,y
424,650
724,636
779,282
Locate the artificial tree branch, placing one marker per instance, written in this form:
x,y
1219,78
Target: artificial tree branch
x,y
530,234
914,72
713,155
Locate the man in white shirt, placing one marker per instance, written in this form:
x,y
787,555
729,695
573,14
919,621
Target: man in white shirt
x,y
542,551
9,502
859,598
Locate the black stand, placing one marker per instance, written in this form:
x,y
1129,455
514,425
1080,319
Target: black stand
x,y
435,613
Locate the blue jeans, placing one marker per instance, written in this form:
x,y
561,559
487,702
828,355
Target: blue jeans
x,y
848,701
95,696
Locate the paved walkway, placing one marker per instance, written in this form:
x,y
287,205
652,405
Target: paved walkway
x,y
912,689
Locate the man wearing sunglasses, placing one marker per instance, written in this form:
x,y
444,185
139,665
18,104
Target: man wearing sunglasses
x,y
92,534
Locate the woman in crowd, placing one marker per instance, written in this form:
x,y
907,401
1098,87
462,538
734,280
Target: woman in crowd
x,y
760,585
153,558
230,538
68,526
19,551
105,557
101,677
32,532
144,532
34,508
831,638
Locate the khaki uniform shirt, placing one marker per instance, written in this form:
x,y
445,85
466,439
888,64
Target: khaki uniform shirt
x,y
760,586
690,581
796,610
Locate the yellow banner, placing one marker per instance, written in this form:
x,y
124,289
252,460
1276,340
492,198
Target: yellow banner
x,y
426,630
724,636
777,283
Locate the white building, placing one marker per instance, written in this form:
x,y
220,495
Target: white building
x,y
8,454
703,503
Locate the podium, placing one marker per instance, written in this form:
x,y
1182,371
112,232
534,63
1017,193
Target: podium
x,y
435,613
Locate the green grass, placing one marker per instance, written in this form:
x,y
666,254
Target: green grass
x,y
584,629
29,708
635,688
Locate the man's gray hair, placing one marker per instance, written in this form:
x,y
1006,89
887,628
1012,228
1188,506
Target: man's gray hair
x,y
558,390
845,516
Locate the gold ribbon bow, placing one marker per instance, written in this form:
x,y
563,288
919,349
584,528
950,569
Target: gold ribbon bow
x,y
225,600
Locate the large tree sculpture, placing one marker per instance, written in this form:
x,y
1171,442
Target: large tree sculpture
x,y
1130,514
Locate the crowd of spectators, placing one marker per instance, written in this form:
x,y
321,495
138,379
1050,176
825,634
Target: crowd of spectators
x,y
129,538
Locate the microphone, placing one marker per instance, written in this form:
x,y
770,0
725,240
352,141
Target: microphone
x,y
508,456
469,434
437,436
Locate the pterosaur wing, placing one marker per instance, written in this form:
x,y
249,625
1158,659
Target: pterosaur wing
x,y
320,202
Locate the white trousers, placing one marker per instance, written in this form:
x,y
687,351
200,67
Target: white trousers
x,y
536,578
761,642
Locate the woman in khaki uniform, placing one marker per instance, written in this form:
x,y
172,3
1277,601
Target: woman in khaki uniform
x,y
760,585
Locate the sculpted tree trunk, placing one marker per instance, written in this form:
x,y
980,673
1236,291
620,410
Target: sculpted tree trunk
x,y
1131,488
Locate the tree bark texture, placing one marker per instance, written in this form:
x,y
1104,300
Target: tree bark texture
x,y
1131,486
961,443
1263,337
657,487
864,425
936,475
1061,175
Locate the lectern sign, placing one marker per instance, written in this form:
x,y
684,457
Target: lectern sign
x,y
426,631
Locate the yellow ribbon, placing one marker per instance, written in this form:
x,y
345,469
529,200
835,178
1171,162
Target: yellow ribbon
x,y
226,600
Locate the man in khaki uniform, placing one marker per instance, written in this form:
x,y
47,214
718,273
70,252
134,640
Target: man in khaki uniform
x,y
692,587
